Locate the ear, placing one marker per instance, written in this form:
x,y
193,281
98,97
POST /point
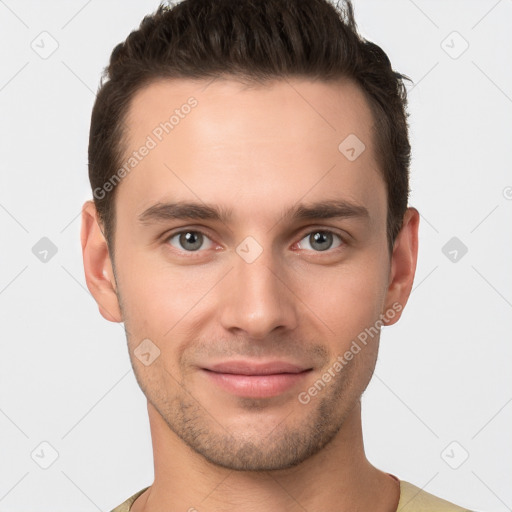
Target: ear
x,y
403,265
99,274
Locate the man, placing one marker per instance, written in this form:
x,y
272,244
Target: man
x,y
249,166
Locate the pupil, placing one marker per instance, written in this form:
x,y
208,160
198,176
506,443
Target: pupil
x,y
321,237
191,238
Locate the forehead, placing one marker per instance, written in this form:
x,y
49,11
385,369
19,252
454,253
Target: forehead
x,y
218,140
324,110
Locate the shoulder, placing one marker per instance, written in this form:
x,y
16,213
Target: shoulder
x,y
126,505
414,499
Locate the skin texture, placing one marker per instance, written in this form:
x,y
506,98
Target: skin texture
x,y
257,151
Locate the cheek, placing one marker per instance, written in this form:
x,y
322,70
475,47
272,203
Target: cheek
x,y
140,286
346,299
168,302
160,300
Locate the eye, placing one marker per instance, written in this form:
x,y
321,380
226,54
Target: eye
x,y
189,240
321,240
192,240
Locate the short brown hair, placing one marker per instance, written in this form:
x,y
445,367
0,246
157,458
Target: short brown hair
x,y
253,41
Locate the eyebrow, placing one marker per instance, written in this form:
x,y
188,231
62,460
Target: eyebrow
x,y
331,209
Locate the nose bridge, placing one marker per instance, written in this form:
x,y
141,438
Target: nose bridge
x,y
256,297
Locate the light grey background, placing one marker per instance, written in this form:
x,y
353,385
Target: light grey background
x,y
442,387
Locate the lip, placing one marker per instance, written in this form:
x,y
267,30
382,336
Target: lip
x,y
253,368
256,380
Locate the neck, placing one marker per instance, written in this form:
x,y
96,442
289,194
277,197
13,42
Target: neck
x,y
339,477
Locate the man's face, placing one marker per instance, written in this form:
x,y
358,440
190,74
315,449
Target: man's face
x,y
224,297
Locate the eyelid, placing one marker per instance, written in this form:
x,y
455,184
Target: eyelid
x,y
302,234
168,235
344,236
330,251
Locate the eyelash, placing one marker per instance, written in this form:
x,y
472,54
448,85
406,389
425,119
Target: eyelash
x,y
308,233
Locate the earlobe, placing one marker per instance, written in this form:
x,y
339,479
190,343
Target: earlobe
x,y
99,274
403,265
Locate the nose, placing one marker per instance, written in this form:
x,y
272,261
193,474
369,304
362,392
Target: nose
x,y
257,298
